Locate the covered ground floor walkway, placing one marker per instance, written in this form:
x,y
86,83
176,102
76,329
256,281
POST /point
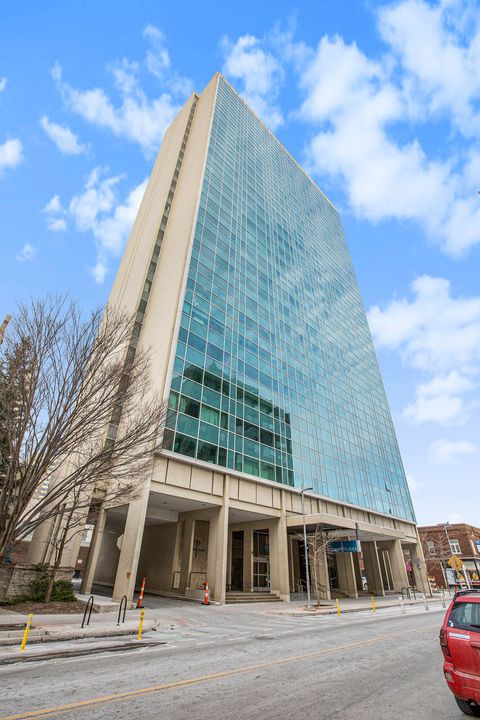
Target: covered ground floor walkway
x,y
246,549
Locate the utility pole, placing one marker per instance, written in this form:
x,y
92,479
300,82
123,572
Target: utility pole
x,y
3,327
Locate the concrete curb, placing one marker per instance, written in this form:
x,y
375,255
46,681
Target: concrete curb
x,y
333,611
11,659
88,632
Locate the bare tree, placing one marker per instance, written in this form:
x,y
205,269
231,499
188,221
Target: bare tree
x,y
76,411
318,551
437,552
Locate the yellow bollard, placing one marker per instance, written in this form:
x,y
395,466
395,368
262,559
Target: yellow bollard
x,y
338,607
140,627
373,604
27,630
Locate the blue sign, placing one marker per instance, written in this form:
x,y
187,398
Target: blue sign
x,y
477,543
344,546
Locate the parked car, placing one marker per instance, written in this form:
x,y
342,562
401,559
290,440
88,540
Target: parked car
x,y
460,643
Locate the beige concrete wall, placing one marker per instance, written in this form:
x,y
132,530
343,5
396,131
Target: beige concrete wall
x,y
106,567
173,475
168,286
157,556
346,574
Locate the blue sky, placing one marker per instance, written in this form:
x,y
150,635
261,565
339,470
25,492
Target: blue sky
x,y
378,101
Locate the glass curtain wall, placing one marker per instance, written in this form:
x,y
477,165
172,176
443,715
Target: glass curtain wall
x,y
275,373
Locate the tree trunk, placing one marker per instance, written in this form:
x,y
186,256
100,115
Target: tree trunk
x,y
51,581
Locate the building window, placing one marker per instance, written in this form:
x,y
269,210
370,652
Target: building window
x,y
455,547
431,547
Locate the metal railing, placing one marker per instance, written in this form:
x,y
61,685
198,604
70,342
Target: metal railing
x,y
124,605
407,591
89,608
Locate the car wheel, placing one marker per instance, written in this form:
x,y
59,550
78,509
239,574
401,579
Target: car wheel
x,y
468,708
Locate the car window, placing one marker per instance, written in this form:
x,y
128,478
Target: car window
x,y
465,615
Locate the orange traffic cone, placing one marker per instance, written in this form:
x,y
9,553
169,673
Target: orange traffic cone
x,y
140,597
207,595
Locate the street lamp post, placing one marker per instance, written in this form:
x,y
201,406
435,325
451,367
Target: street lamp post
x,y
307,569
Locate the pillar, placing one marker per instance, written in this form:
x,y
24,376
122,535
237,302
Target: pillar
x,y
130,552
38,549
372,568
218,547
397,565
279,577
420,568
346,574
291,563
358,571
93,553
186,550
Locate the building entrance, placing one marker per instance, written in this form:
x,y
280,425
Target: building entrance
x,y
237,560
261,561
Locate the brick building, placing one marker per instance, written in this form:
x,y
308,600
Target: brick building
x,y
441,541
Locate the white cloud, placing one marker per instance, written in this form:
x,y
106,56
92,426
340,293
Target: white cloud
x,y
57,225
65,140
98,210
28,252
53,205
136,117
11,154
438,58
55,215
3,83
437,334
260,73
414,485
158,59
364,113
443,451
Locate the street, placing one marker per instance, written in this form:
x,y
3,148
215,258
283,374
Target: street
x,y
234,665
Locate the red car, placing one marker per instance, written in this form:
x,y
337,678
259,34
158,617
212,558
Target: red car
x,y
460,643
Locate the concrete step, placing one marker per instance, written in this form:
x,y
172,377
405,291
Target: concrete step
x,y
250,597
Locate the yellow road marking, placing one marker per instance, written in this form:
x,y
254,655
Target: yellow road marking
x,y
115,697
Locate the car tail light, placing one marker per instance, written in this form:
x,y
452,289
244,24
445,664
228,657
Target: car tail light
x,y
444,643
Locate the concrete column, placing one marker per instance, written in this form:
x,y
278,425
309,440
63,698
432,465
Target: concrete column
x,y
420,568
291,564
372,568
397,565
130,552
358,572
93,553
346,574
186,553
279,578
39,544
218,548
247,559
229,558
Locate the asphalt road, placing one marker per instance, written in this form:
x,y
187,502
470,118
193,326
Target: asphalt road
x,y
353,667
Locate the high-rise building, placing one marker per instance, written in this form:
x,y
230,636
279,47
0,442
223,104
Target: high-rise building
x,y
239,273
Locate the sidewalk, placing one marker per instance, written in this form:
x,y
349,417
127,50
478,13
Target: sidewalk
x,y
62,636
362,604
